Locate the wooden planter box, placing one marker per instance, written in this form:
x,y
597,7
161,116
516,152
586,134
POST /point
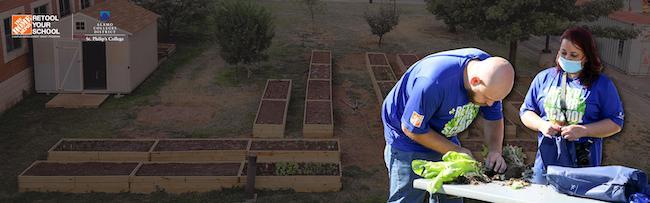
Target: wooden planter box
x,y
267,178
321,57
297,150
271,117
92,150
381,74
186,177
405,61
511,112
319,120
319,90
76,177
515,96
200,150
320,72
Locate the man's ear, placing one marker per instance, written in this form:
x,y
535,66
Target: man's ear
x,y
475,81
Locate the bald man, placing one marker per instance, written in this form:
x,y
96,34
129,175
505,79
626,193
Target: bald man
x,y
437,98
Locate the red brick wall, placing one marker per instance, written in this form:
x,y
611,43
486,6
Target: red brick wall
x,y
9,69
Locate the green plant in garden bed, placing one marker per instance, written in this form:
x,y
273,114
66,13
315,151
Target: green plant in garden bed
x,y
288,169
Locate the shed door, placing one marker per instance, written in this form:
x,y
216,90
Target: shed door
x,y
645,58
94,65
68,66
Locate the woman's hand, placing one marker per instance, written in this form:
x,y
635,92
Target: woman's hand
x,y
549,129
574,132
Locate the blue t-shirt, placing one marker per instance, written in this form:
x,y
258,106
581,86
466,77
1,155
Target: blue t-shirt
x,y
431,95
583,105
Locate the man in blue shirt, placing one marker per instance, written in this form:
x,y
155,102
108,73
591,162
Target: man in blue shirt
x,y
437,98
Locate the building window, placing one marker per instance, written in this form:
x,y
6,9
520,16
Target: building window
x,y
10,43
41,9
621,45
85,4
64,8
80,26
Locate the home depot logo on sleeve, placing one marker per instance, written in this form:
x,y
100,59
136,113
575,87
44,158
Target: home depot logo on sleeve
x,y
416,119
21,24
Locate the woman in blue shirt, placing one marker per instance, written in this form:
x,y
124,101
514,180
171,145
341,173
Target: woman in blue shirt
x,y
573,106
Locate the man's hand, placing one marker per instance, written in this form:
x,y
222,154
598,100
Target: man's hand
x,y
549,129
574,132
495,161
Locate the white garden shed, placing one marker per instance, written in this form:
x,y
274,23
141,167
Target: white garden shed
x,y
70,64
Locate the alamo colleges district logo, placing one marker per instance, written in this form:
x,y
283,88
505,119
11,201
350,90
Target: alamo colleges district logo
x,y
33,26
104,16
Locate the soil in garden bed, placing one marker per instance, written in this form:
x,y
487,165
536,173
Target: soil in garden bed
x,y
385,88
319,89
318,112
294,145
377,59
271,112
190,145
295,169
277,90
321,57
408,59
319,72
106,145
81,169
383,73
189,169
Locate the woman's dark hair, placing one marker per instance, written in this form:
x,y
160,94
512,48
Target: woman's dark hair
x,y
583,39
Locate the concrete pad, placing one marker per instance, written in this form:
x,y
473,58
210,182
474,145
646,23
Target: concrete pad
x,y
74,101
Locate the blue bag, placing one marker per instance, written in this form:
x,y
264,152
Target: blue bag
x,y
607,183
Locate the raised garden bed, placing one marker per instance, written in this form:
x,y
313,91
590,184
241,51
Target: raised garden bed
x,y
301,177
320,72
515,96
101,150
186,177
376,59
277,89
385,88
318,120
291,150
511,112
319,90
79,177
272,112
404,61
321,57
200,150
383,73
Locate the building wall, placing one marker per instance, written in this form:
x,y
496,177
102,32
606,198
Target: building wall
x,y
15,89
144,54
625,55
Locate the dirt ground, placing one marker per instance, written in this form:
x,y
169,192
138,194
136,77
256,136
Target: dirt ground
x,y
207,98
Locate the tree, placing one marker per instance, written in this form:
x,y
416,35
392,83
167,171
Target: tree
x,y
178,15
312,8
381,20
512,21
244,30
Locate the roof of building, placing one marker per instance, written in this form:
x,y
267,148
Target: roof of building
x,y
631,17
123,14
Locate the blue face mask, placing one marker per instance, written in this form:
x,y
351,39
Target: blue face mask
x,y
570,66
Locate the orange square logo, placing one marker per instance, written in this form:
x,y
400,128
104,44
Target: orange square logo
x,y
416,119
21,24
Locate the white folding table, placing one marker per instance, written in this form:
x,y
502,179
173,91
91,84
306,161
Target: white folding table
x,y
495,192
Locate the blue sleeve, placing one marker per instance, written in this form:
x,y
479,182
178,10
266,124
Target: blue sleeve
x,y
494,112
611,105
530,101
424,99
